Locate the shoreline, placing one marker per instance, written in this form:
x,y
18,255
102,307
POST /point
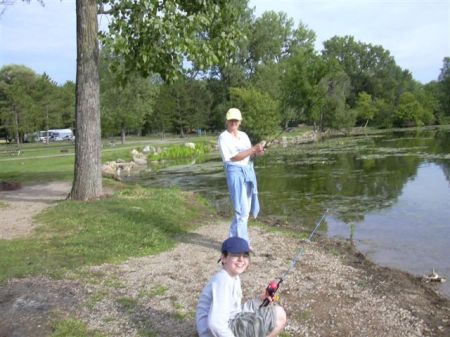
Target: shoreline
x,y
333,291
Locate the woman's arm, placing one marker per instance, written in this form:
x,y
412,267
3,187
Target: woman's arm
x,y
257,150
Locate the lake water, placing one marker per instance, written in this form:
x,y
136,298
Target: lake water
x,y
389,193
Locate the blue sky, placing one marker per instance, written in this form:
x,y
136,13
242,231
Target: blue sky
x,y
416,32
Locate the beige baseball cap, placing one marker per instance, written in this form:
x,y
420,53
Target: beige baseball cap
x,y
234,113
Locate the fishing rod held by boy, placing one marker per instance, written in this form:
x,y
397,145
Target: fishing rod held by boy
x,y
274,285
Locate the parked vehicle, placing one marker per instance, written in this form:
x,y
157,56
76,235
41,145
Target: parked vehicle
x,y
56,135
60,135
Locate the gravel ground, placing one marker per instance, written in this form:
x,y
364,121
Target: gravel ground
x,y
333,291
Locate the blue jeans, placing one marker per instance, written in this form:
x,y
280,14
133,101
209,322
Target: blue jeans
x,y
241,181
239,225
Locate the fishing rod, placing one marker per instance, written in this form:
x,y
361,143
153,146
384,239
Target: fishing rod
x,y
274,285
267,144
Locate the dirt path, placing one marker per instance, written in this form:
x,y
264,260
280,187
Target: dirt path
x,y
17,218
334,291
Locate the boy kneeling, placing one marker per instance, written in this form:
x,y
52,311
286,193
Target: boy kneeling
x,y
219,310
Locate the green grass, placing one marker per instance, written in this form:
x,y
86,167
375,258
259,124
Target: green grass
x,y
147,332
181,151
73,328
134,222
29,169
157,291
128,304
123,153
97,297
39,162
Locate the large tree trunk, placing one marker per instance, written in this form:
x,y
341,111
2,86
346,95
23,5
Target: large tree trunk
x,y
87,183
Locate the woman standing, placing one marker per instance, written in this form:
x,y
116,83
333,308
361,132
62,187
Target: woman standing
x,y
236,151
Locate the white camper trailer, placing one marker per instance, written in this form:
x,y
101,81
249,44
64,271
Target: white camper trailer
x,y
56,135
60,134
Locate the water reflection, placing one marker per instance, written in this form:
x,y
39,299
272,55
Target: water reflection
x,y
414,233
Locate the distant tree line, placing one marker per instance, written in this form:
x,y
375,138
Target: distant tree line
x,y
30,102
275,76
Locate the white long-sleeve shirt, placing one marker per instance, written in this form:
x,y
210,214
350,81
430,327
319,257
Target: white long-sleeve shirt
x,y
219,301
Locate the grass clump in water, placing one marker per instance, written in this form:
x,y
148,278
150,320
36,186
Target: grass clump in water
x,y
181,151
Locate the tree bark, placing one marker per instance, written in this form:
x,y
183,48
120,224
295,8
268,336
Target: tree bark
x,y
87,183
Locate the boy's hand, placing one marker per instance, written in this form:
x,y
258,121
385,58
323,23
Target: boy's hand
x,y
269,295
265,296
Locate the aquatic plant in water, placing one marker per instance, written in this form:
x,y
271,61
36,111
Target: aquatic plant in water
x,y
181,151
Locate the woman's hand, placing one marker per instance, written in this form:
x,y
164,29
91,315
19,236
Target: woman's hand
x,y
258,149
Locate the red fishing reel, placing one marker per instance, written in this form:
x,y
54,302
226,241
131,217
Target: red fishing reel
x,y
270,291
272,288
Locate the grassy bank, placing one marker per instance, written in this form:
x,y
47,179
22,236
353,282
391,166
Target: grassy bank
x,y
39,162
134,222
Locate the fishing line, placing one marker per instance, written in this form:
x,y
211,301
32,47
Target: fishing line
x,y
274,285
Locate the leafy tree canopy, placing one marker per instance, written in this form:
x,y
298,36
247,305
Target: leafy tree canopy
x,y
152,36
254,105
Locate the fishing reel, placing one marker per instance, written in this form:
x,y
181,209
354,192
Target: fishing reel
x,y
271,292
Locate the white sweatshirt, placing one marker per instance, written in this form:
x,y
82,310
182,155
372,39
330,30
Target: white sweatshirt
x,y
219,301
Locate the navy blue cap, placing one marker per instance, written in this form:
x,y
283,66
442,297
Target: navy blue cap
x,y
235,245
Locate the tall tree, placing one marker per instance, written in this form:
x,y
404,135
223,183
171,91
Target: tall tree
x,y
66,104
334,112
148,36
124,105
261,118
200,103
234,73
303,72
184,105
48,115
270,37
270,73
365,108
409,111
87,183
370,68
444,89
161,119
17,105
